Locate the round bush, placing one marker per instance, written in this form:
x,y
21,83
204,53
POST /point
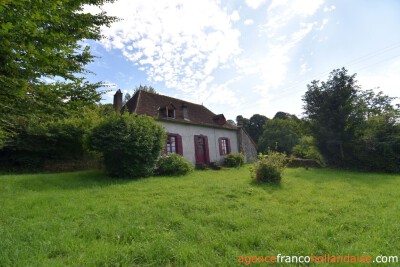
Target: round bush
x,y
269,168
130,144
234,160
173,164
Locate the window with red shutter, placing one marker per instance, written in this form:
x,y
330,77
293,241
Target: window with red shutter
x,y
224,146
174,144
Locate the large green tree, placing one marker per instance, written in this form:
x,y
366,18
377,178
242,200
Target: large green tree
x,y
353,127
256,126
332,107
253,126
43,59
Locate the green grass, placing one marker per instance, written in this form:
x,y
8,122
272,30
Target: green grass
x,y
207,218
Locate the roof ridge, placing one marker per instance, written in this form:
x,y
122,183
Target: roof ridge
x,y
175,99
137,101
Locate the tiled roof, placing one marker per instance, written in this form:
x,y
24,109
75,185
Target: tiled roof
x,y
146,103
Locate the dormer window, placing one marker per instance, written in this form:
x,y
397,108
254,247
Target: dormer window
x,y
168,111
220,119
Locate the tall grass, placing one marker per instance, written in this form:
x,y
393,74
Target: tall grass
x,y
207,218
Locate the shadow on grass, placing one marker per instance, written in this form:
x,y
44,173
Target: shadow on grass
x,y
66,181
353,177
269,187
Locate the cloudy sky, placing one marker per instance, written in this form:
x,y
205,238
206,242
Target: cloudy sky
x,y
247,57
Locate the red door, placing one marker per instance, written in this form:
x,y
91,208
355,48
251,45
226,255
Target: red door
x,y
201,149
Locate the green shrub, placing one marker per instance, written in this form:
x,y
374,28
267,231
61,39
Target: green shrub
x,y
234,160
173,164
269,168
131,145
306,149
38,141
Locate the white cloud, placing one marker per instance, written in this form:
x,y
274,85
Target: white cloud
x,y
286,27
255,3
235,16
329,9
387,79
304,68
281,13
323,24
178,42
248,22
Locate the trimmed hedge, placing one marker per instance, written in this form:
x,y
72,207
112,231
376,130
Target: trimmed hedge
x,y
130,145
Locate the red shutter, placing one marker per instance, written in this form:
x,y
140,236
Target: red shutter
x,y
179,146
220,146
207,152
228,146
196,140
165,148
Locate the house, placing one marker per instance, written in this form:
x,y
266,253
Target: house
x,y
194,132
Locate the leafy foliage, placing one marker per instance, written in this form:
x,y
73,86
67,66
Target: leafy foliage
x,y
284,115
146,88
332,106
379,147
269,168
173,164
234,160
306,149
43,59
353,127
131,145
254,125
280,135
39,141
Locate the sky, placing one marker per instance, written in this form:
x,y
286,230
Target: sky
x,y
246,57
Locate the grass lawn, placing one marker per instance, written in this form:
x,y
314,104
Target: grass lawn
x,y
208,218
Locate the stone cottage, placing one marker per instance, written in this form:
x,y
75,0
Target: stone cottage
x,y
194,132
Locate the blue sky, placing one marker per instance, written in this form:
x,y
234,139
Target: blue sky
x,y
247,57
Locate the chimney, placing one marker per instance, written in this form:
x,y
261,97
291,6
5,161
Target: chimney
x,y
117,101
185,112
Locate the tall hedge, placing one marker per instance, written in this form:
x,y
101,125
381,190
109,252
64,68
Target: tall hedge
x,y
130,144
39,142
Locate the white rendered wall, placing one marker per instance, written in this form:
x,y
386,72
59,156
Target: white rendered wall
x,y
188,131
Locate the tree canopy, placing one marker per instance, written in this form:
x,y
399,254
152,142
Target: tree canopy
x,y
353,127
254,125
279,135
44,57
146,88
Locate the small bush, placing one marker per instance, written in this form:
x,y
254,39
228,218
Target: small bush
x,y
173,164
234,160
269,168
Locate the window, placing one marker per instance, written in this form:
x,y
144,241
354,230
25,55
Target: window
x,y
168,111
171,113
174,144
224,146
171,144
